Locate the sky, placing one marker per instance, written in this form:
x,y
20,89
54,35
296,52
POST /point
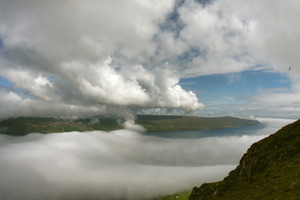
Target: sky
x,y
196,57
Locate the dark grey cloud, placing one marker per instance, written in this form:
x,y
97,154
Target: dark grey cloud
x,y
204,2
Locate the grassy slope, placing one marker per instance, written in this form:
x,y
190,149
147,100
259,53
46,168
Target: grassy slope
x,y
25,125
269,170
180,196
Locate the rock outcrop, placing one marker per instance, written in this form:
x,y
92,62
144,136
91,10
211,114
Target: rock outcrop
x,y
269,170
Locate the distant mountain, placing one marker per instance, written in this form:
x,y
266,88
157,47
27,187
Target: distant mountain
x,y
183,123
269,170
25,125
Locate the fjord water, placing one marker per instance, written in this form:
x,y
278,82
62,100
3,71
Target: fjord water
x,y
267,126
246,130
121,164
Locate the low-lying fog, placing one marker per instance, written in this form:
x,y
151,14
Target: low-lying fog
x,y
121,164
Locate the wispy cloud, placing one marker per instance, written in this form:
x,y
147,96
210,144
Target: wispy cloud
x,y
228,98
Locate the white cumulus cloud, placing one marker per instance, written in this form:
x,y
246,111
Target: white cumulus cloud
x,y
132,54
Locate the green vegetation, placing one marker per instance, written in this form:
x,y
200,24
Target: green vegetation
x,y
269,170
25,125
180,196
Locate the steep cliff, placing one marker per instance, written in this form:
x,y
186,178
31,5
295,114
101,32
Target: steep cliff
x,y
269,170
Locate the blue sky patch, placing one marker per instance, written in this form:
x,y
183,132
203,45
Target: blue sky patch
x,y
1,42
234,88
5,82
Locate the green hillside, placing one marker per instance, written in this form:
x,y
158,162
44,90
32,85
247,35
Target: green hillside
x,y
179,196
183,123
269,170
25,125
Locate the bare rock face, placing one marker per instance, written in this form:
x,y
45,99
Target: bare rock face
x,y
269,170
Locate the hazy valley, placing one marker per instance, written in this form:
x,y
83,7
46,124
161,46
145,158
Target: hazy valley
x,y
122,164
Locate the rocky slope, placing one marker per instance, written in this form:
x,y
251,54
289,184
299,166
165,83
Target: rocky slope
x,y
269,170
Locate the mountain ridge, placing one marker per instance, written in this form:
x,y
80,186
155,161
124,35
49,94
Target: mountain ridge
x,y
269,170
155,123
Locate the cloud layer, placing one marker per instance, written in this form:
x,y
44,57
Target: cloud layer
x,y
99,165
116,165
121,164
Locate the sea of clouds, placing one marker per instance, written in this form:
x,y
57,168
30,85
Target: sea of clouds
x,y
121,164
